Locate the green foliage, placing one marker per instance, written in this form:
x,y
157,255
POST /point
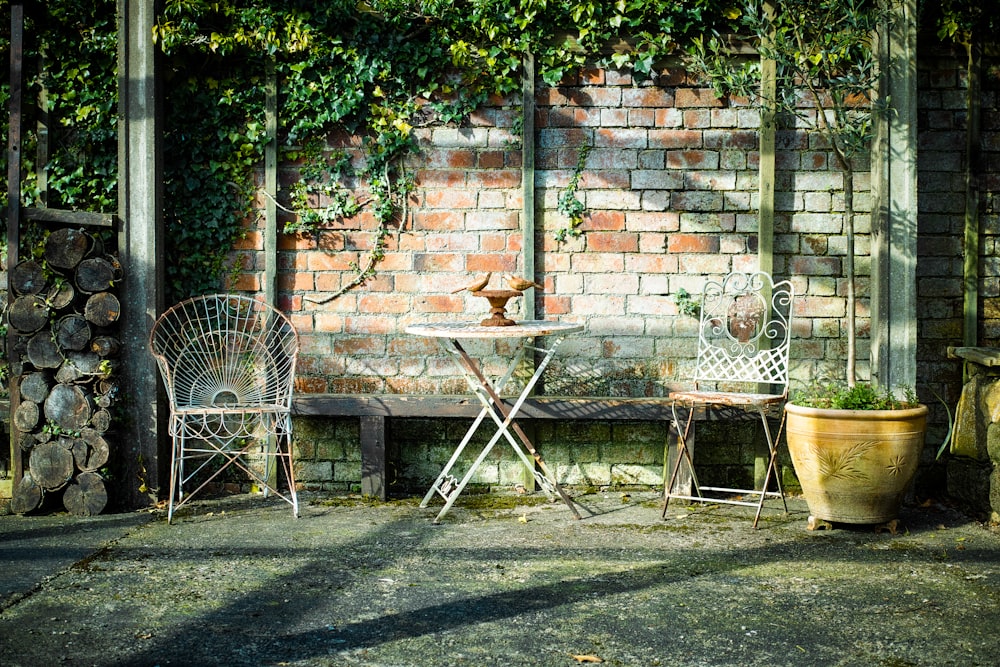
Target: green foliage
x,y
375,69
822,49
72,56
862,396
826,75
961,21
568,204
686,304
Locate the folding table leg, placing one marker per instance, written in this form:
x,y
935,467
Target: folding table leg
x,y
498,409
446,483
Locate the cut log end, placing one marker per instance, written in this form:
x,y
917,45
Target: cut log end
x,y
86,495
27,495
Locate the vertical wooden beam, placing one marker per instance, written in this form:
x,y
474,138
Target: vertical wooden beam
x,y
42,134
765,221
528,212
765,227
970,293
140,244
528,179
14,208
373,459
894,221
271,184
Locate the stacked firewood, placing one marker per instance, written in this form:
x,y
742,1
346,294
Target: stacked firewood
x,y
63,318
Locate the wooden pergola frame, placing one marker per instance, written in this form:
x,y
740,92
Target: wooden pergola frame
x,y
140,226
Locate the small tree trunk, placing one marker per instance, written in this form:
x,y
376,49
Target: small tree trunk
x,y
35,386
27,278
852,347
68,406
102,309
43,352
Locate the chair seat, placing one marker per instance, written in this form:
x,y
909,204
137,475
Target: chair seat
x,y
740,399
231,409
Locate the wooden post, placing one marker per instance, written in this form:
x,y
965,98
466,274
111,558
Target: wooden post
x,y
373,481
271,184
765,226
970,308
894,215
765,221
528,179
528,209
14,208
145,456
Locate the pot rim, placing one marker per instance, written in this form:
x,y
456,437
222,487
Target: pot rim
x,y
919,410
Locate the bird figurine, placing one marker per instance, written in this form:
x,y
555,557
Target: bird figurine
x,y
476,285
519,284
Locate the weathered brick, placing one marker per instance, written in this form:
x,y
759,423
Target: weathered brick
x,y
687,243
701,98
612,242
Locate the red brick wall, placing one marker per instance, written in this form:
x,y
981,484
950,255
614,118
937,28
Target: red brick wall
x,y
670,187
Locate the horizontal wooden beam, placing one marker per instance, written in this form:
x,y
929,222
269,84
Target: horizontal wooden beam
x,y
464,406
86,218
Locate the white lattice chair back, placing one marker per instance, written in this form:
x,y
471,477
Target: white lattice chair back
x,y
745,332
225,351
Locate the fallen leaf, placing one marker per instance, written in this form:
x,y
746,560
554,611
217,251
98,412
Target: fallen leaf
x,y
586,658
523,518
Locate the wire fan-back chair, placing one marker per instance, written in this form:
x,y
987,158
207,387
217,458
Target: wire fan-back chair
x,y
228,363
743,348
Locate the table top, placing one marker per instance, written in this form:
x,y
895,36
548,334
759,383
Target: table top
x,y
523,329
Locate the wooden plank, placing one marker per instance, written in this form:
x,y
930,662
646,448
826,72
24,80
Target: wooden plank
x,y
82,218
467,407
373,482
984,356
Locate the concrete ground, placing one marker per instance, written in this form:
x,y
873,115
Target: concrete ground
x,y
501,581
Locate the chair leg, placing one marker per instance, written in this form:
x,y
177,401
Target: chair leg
x,y
176,470
772,460
683,455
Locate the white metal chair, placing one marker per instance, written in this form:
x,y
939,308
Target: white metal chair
x,y
227,362
742,365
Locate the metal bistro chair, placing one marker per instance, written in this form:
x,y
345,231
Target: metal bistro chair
x,y
227,362
743,343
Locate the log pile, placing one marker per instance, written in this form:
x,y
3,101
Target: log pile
x,y
63,316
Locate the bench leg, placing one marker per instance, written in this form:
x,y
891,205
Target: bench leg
x,y
373,457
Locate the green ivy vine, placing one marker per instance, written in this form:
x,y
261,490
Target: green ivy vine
x,y
568,203
373,69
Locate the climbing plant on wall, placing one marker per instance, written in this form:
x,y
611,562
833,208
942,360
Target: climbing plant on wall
x,y
376,70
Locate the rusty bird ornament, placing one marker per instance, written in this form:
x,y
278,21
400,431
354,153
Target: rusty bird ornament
x,y
519,284
476,285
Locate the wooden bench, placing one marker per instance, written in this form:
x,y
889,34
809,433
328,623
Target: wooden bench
x,y
372,410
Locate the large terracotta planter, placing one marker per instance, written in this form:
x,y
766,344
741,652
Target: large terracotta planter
x,y
855,465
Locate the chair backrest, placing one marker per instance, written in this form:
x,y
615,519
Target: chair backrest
x,y
744,333
225,351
